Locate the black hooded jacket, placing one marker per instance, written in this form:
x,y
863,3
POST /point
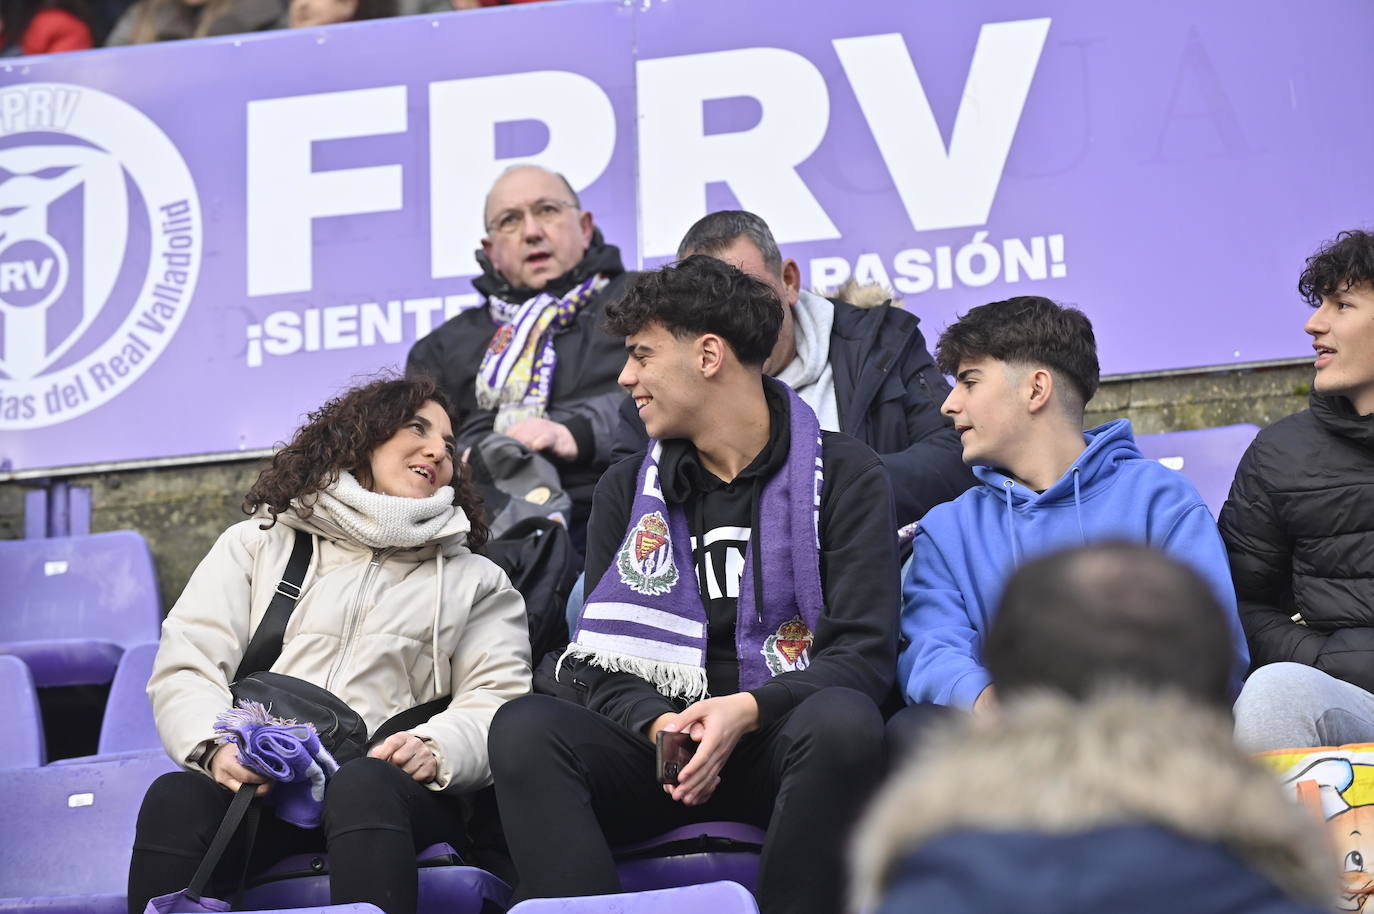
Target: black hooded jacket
x,y
585,394
856,639
1299,531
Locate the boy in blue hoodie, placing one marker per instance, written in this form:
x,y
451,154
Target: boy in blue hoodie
x,y
1024,370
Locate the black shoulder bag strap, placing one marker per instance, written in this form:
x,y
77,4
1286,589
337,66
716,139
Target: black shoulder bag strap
x,y
265,646
409,719
239,810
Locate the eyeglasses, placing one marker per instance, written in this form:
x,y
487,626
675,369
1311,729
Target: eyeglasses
x,y
543,211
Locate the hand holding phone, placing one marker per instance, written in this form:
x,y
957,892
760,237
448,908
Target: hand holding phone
x,y
672,752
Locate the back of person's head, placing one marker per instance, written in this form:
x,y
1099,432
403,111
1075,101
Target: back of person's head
x,y
1339,264
718,232
699,295
1027,330
1117,614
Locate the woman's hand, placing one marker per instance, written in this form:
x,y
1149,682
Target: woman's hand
x,y
228,771
410,754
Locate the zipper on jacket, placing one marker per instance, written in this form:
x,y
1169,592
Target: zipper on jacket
x,y
355,613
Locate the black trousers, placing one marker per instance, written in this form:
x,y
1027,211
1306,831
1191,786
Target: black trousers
x,y
376,818
570,783
909,728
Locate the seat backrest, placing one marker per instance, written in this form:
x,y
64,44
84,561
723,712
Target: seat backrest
x,y
128,722
1206,456
709,898
100,587
68,829
21,723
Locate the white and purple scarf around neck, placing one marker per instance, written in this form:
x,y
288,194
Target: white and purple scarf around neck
x,y
516,374
645,616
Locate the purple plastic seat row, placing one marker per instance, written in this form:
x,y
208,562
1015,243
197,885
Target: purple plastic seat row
x,y
709,898
694,854
21,723
127,726
72,605
709,852
67,832
446,886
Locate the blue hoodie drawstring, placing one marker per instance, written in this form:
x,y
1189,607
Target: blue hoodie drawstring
x,y
1078,509
1011,526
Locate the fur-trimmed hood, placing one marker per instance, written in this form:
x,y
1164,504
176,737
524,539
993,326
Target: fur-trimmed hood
x,y
1051,765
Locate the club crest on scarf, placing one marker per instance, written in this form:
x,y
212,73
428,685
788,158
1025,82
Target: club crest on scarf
x,y
789,648
646,559
501,339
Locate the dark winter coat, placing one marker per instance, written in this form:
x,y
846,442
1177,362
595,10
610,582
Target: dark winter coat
x,y
1299,531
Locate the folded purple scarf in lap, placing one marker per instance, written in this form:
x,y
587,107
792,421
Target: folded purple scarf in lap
x,y
284,751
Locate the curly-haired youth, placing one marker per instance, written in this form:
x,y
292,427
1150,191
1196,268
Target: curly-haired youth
x,y
1027,330
701,294
341,435
1345,261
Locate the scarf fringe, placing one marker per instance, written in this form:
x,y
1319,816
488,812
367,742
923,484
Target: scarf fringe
x,y
248,714
673,680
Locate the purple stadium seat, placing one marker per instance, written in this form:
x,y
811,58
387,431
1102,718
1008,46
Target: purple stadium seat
x,y
73,604
710,898
21,723
67,834
691,855
446,886
127,728
128,724
1207,456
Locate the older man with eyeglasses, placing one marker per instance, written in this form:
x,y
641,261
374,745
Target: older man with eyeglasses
x,y
532,363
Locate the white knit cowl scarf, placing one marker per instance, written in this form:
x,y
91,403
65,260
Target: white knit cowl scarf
x,y
384,521
809,373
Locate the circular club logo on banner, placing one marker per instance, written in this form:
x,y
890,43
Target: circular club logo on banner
x,y
100,249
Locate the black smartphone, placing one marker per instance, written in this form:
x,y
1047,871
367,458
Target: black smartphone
x,y
672,752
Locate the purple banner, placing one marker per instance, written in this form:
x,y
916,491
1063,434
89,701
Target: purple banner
x,y
199,241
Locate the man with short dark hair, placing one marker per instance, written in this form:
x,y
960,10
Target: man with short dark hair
x,y
746,556
1299,528
1024,370
863,371
532,362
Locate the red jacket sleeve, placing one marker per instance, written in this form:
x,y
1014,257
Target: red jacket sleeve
x,y
53,31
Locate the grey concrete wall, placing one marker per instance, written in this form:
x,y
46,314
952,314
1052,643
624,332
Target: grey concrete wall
x,y
1176,402
181,510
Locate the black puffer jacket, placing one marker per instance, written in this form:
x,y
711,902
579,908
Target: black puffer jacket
x,y
1299,530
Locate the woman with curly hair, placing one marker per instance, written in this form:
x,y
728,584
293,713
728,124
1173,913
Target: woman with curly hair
x,y
396,609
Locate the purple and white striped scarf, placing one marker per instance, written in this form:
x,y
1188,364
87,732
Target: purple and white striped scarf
x,y
516,374
645,616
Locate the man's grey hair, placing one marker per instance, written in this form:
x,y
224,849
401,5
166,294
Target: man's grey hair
x,y
718,231
486,201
